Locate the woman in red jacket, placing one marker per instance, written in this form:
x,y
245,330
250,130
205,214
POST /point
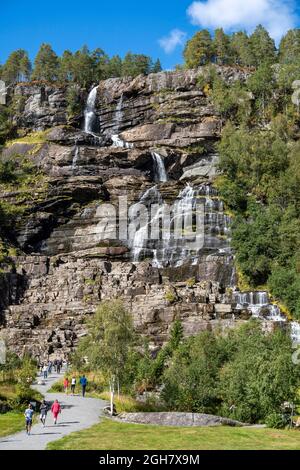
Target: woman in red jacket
x,y
66,385
55,409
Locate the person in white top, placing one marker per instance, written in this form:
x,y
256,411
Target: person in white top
x,y
73,385
45,371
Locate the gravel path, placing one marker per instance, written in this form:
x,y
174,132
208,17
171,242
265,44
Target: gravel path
x,y
77,413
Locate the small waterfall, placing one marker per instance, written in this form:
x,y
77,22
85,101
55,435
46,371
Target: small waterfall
x,y
117,141
295,332
159,168
173,250
89,112
118,115
75,159
259,304
151,196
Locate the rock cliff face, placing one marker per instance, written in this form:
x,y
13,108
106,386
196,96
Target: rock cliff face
x,y
151,139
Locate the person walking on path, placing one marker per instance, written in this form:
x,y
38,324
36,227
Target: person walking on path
x,y
66,385
45,371
28,419
55,409
83,383
73,385
43,412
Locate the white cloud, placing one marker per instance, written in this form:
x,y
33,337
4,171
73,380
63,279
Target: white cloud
x,y
277,16
175,38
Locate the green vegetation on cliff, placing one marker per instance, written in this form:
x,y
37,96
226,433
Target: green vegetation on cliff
x,y
260,161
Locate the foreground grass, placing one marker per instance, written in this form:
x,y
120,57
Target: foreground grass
x,y
112,435
11,423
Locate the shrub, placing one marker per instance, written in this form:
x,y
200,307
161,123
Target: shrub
x,y
170,296
277,420
74,104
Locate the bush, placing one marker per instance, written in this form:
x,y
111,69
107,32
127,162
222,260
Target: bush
x,y
57,387
170,296
74,104
246,375
277,420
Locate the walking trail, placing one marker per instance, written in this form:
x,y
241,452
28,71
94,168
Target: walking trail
x,y
77,413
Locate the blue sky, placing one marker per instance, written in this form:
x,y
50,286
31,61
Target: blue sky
x,y
158,27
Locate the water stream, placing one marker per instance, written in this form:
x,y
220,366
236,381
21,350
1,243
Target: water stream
x,y
159,168
89,112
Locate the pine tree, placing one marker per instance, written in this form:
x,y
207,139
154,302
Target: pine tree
x,y
17,67
115,67
262,46
136,64
221,47
84,67
156,67
241,49
176,335
25,67
198,50
289,47
101,64
46,64
67,66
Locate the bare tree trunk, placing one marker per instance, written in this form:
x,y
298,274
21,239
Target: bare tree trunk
x,y
118,388
112,393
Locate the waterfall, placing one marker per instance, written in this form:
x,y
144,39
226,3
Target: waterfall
x,y
75,159
159,168
295,332
117,141
151,196
89,112
173,250
259,304
119,114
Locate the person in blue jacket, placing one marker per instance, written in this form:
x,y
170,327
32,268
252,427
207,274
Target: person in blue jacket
x,y
83,383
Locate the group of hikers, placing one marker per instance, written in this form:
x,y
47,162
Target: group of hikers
x,y
47,367
55,408
73,382
44,408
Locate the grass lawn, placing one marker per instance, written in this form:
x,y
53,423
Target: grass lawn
x,y
11,423
111,435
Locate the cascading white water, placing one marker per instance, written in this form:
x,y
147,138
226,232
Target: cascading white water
x,y
151,196
75,159
117,141
259,304
119,114
159,168
174,250
89,112
295,332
